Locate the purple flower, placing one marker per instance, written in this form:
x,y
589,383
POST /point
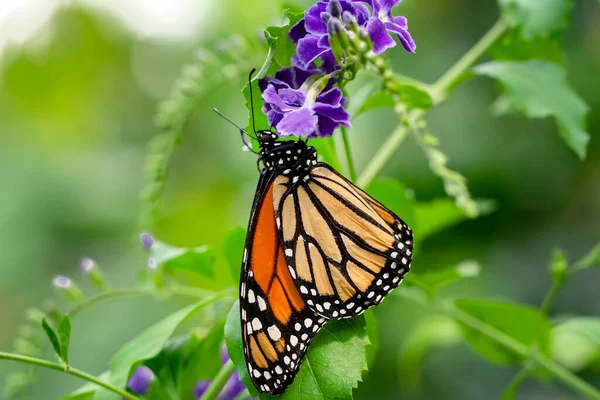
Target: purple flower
x,y
146,240
293,110
382,23
140,380
311,34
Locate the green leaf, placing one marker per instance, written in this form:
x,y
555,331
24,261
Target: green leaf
x,y
536,18
64,334
412,93
514,48
522,323
576,342
234,250
52,336
147,345
394,196
446,276
375,101
235,347
331,369
197,260
437,215
283,45
540,89
360,96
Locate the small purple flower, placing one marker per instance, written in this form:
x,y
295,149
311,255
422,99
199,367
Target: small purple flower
x,y
382,23
311,34
140,380
146,240
292,110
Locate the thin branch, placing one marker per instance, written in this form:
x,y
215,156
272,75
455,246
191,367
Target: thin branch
x,y
70,370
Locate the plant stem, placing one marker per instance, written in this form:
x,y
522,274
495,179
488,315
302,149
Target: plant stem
x,y
551,296
220,380
70,371
453,76
562,374
385,152
439,92
515,383
348,152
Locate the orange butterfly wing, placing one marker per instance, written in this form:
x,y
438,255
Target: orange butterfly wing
x,y
277,326
346,251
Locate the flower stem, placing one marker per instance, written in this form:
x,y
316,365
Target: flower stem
x,y
551,296
348,152
220,380
385,152
70,371
439,92
515,383
559,372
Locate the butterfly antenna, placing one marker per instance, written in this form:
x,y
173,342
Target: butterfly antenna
x,y
242,131
252,101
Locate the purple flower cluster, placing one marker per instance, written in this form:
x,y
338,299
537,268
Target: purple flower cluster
x,y
290,106
143,377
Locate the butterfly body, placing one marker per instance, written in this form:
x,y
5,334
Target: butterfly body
x,y
318,249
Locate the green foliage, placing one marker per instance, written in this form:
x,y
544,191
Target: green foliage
x,y
434,280
147,345
59,338
283,48
52,336
536,18
522,323
512,47
591,259
576,342
412,94
373,102
234,250
332,367
440,214
198,261
395,197
539,89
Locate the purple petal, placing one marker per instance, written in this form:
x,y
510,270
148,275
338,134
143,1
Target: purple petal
x,y
314,24
362,13
402,21
274,117
271,96
140,380
337,114
292,97
333,97
326,126
286,75
146,239
405,39
329,63
385,6
298,31
308,50
379,36
323,42
301,122
200,388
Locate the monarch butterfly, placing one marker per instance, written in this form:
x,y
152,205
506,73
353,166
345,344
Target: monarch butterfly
x,y
318,248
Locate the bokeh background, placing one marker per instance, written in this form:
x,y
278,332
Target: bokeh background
x,y
80,82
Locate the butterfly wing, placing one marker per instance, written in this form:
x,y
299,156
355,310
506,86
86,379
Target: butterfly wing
x,y
345,250
277,326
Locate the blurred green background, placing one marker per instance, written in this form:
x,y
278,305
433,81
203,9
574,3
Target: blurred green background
x,y
80,82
